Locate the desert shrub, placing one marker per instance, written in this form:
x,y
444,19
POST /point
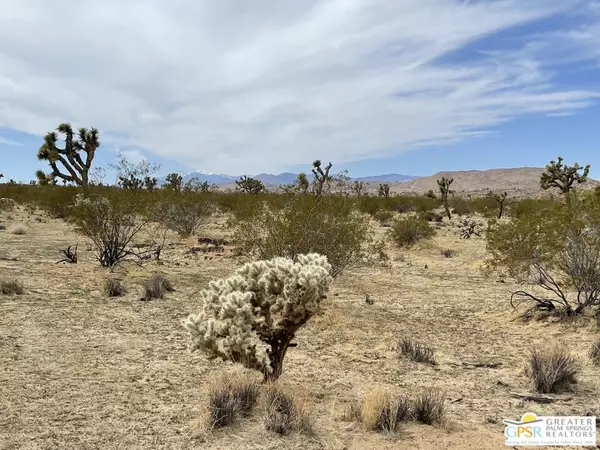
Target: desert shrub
x,y
447,252
594,352
528,206
328,225
552,370
286,410
383,216
110,226
416,351
407,231
461,207
19,230
431,216
251,317
230,397
383,411
156,287
428,406
185,216
11,287
7,204
2,227
114,287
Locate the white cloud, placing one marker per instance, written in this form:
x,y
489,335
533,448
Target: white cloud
x,y
9,142
255,85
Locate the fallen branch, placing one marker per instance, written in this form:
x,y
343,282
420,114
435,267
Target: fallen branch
x,y
538,398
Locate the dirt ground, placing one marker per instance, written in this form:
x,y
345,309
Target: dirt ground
x,y
82,371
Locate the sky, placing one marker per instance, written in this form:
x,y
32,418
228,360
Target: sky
x,y
251,86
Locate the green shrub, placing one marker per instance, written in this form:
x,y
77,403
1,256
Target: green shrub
x,y
408,231
383,216
328,225
184,215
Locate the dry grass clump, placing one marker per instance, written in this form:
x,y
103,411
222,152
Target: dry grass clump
x,y
385,411
552,370
594,352
286,410
2,227
428,406
114,287
416,351
11,287
447,252
19,230
230,397
157,286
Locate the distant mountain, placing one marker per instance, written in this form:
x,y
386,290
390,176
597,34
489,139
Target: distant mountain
x,y
283,178
388,178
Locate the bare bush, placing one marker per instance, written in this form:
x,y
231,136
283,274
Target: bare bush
x,y
11,287
286,410
416,351
111,228
552,370
594,352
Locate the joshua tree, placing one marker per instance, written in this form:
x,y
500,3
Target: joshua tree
x,y
252,317
358,187
1,175
384,190
302,183
444,186
173,182
321,177
500,198
561,176
71,157
250,185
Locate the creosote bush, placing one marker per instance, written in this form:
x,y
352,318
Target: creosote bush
x,y
114,287
157,286
328,225
11,287
552,369
251,317
286,410
416,351
408,231
185,216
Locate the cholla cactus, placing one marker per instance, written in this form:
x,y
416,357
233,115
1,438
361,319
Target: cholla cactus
x,y
252,316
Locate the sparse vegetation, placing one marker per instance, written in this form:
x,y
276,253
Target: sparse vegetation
x,y
552,370
500,198
19,230
11,287
156,287
286,410
416,351
185,216
447,252
407,231
428,406
594,352
250,185
113,287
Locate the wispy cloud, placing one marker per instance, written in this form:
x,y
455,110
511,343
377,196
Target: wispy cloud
x,y
9,142
264,84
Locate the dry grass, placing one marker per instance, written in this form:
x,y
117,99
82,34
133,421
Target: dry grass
x,y
11,287
428,406
157,286
114,287
594,352
416,351
383,411
447,252
286,410
552,369
19,230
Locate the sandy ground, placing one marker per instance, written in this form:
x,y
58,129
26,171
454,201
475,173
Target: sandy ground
x,y
82,371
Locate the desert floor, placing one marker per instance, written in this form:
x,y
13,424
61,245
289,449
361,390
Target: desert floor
x,y
82,371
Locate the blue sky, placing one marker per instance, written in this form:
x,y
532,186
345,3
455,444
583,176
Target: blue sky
x,y
375,86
